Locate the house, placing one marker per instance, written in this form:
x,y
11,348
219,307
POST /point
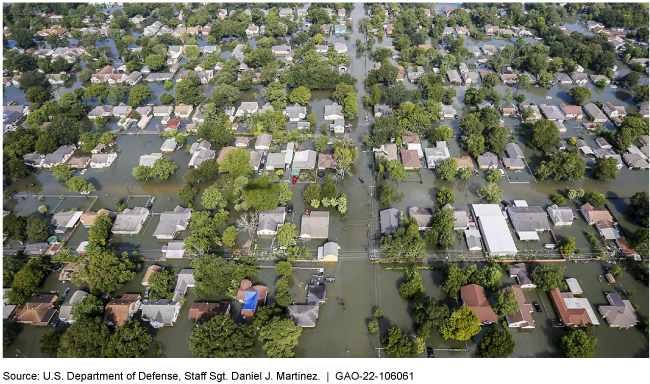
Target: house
x,y
303,315
183,111
460,216
241,142
174,249
620,313
573,315
584,147
169,145
473,239
338,126
448,112
340,47
224,151
382,110
609,153
263,142
509,78
247,108
129,221
551,112
527,221
561,216
269,221
88,218
410,159
333,112
63,221
38,310
494,230
35,249
414,73
574,286
464,162
286,12
423,216
185,280
509,110
491,30
251,296
160,313
389,220
535,115
315,225
162,110
602,143
201,155
562,78
149,160
519,272
488,160
158,77
79,162
523,318
561,129
134,78
474,297
437,154
453,76
238,53
326,160
201,312
281,50
613,111
635,161
386,151
329,252
295,112
55,79
252,31
102,160
150,271
489,49
172,222
303,160
580,78
120,311
571,111
593,215
340,29
65,311
60,156
596,115
597,78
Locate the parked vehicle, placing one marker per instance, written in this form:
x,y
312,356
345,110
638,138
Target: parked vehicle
x,y
430,352
294,180
289,209
538,308
146,292
306,211
361,179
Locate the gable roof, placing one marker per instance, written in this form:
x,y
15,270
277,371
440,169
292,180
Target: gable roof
x,y
474,297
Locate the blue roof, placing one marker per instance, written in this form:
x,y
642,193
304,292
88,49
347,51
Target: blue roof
x,y
250,301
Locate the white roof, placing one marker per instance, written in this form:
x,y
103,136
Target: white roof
x,y
496,234
487,210
528,236
521,203
574,286
577,303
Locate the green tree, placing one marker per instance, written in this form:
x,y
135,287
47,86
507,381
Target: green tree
x,y
597,200
37,94
300,95
187,193
378,313
128,341
10,330
87,308
62,172
397,342
605,168
447,169
280,336
506,303
558,199
286,233
221,337
212,198
282,294
155,62
229,236
455,278
104,271
188,91
442,226
50,343
312,192
28,279
491,192
45,144
236,163
545,135
577,344
85,338
284,268
580,95
139,93
10,266
79,185
168,85
547,277
441,133
386,194
616,271
464,173
276,94
373,327
496,344
100,231
493,175
568,246
37,229
162,284
214,275
461,325
412,286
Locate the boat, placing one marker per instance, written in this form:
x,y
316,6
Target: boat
x,y
600,278
613,86
548,97
330,279
83,171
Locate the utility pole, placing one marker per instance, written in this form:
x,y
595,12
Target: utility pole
x,y
127,189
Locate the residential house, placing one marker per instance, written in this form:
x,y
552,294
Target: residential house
x,y
602,143
412,143
65,311
269,221
523,318
389,220
329,252
79,162
247,108
149,160
552,112
174,249
263,142
519,272
63,221
150,271
562,78
60,156
453,76
202,312
201,155
251,296
303,160
464,162
386,151
635,161
423,216
527,221
474,297
38,310
185,280
252,31
561,216
535,115
295,112
487,160
620,313
509,110
120,311
129,221
580,78
509,78
88,218
597,116
102,160
437,154
333,112
183,111
326,160
35,249
613,111
571,111
160,313
281,50
448,112
172,222
569,309
315,225
410,159
169,145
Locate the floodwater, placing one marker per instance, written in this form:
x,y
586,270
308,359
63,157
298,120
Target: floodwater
x,y
341,329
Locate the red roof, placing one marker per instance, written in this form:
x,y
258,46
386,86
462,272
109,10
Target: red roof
x,y
173,124
569,316
473,296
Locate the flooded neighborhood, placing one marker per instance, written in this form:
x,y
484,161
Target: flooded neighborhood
x,y
325,180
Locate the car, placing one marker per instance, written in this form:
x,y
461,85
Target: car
x,y
74,44
361,179
289,209
30,185
366,117
538,308
306,211
430,352
72,73
85,193
321,174
146,292
503,173
56,322
294,179
505,203
261,171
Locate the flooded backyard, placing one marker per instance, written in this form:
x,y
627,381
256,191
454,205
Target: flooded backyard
x,y
361,285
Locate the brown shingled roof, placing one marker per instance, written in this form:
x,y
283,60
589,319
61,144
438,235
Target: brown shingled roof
x,y
568,316
474,297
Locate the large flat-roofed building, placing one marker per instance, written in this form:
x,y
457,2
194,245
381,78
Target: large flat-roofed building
x,y
494,230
